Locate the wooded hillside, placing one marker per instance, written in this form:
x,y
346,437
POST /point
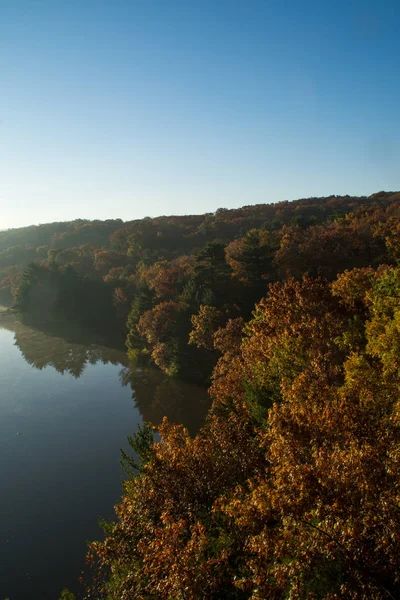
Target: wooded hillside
x,y
165,285
292,312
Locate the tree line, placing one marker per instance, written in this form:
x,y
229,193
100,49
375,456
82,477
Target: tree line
x,y
165,285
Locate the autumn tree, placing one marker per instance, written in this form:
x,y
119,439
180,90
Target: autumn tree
x,y
299,499
204,325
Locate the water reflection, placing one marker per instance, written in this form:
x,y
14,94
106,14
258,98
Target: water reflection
x,y
157,396
154,394
42,349
63,421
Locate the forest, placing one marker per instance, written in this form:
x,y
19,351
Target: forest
x,y
290,313
164,286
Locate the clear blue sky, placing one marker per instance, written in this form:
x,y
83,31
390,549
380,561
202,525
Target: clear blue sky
x,y
122,109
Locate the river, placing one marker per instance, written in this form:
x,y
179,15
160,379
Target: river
x,y
67,406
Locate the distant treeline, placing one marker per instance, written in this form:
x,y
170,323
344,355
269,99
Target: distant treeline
x,y
165,285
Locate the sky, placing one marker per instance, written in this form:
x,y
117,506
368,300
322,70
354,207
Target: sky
x,y
131,108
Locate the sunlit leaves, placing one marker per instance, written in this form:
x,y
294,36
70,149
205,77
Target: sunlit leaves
x,y
299,499
205,323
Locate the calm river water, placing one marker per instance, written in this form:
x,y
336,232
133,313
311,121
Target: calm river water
x,y
66,409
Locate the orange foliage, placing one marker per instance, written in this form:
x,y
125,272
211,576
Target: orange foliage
x,y
205,323
300,500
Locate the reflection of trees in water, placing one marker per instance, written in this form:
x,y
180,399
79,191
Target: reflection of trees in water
x,y
157,396
41,350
